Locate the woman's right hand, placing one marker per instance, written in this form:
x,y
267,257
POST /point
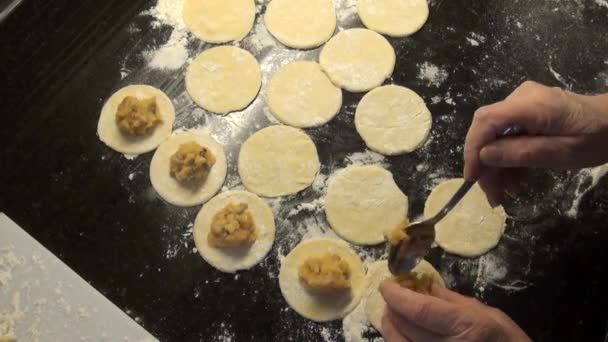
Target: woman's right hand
x,y
563,131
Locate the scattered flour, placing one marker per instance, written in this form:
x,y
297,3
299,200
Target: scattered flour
x,y
602,3
432,74
346,11
596,174
173,54
366,158
559,77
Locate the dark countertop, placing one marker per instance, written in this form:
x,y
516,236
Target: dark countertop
x,y
96,210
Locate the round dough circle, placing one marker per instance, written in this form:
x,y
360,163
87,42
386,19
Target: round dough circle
x,y
278,161
223,79
235,259
472,228
170,189
358,60
315,306
395,18
393,120
301,24
363,202
301,95
110,134
219,21
375,306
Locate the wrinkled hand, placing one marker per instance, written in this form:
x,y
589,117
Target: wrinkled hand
x,y
445,316
564,131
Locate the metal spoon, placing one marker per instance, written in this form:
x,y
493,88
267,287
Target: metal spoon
x,y
404,256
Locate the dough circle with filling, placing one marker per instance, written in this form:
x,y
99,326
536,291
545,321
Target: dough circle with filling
x,y
375,306
301,95
393,120
301,24
358,59
318,306
363,202
219,21
234,259
472,228
395,18
278,161
223,79
169,188
110,134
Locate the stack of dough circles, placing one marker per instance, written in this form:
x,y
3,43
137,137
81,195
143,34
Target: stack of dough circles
x,y
219,21
169,188
235,259
278,161
473,227
393,120
395,18
223,79
110,134
301,24
317,306
374,304
358,60
363,202
301,95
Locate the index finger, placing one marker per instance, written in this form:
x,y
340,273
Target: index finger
x,y
428,312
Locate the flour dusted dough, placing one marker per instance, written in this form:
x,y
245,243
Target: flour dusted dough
x,y
393,120
358,60
235,259
219,21
170,189
278,161
110,134
301,95
375,306
395,18
301,24
472,228
315,306
223,79
363,202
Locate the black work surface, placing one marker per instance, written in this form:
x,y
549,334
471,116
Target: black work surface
x,y
96,210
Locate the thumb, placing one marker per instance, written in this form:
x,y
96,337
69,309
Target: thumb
x,y
531,152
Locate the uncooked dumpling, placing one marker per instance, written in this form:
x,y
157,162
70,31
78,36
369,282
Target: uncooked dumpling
x,y
278,161
395,18
358,60
321,307
223,79
301,24
393,120
111,135
363,202
375,306
180,194
472,228
219,21
235,258
301,95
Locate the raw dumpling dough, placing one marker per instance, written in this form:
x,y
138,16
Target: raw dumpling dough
x,y
219,21
315,306
223,79
375,306
169,188
236,258
278,161
301,95
393,120
363,202
395,18
110,134
472,228
301,24
358,60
